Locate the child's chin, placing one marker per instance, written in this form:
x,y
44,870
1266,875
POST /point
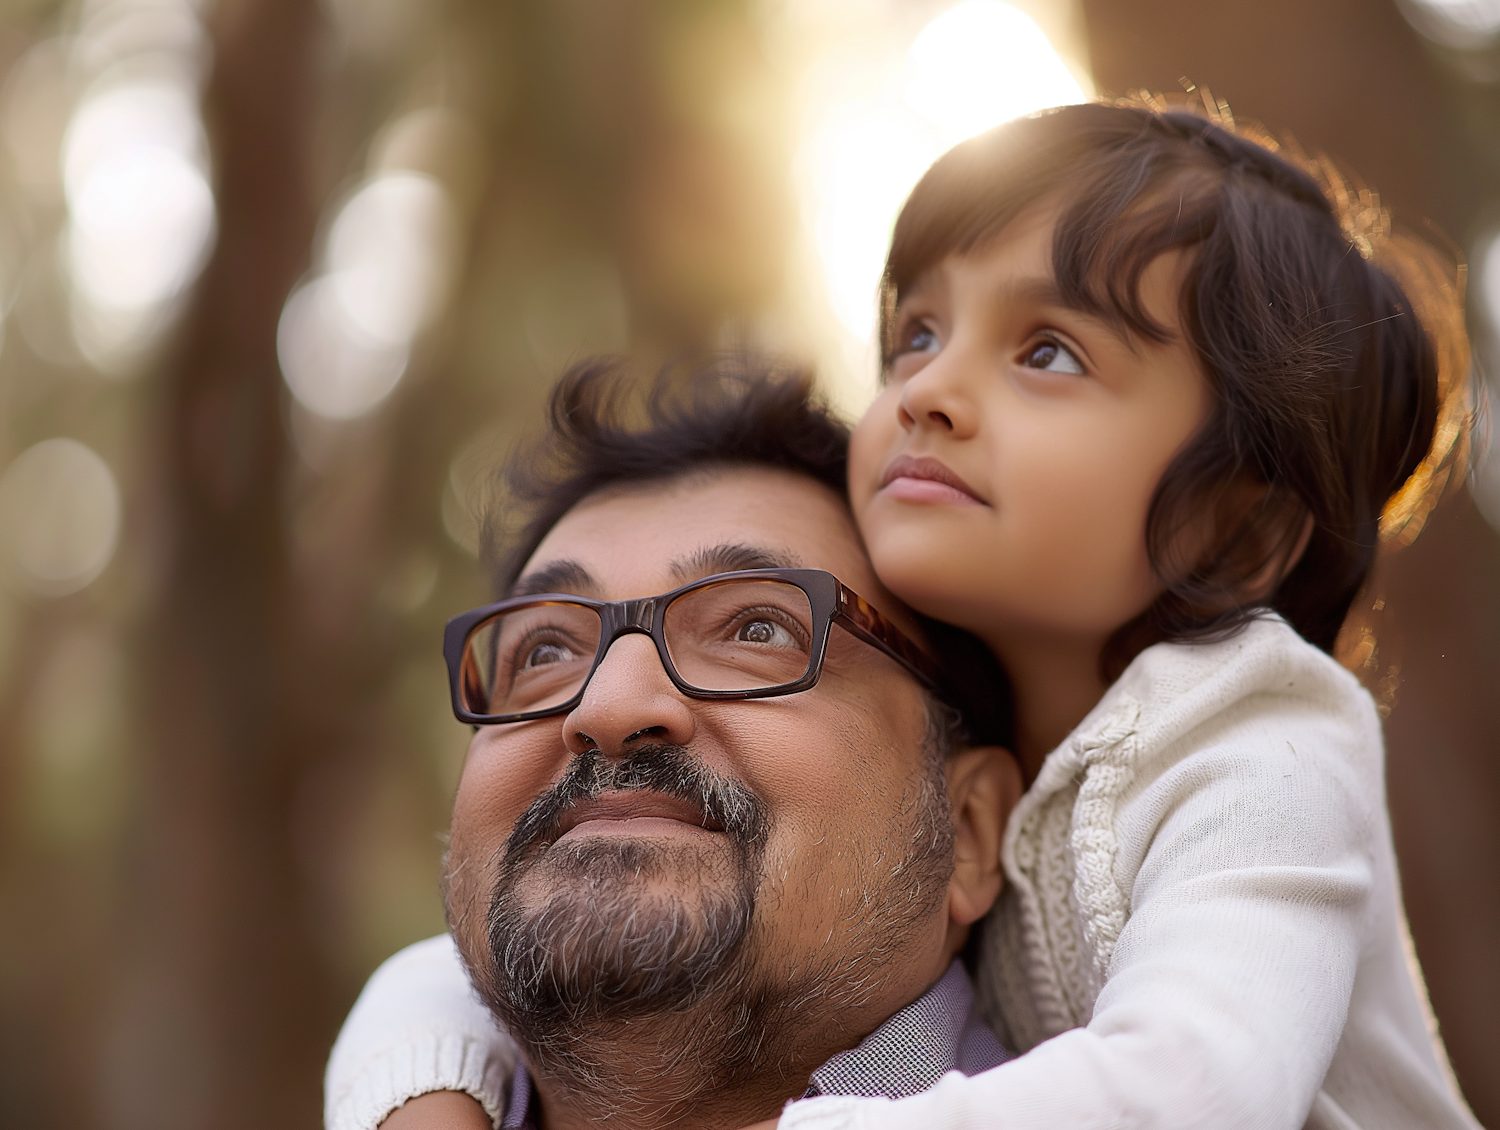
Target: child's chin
x,y
917,572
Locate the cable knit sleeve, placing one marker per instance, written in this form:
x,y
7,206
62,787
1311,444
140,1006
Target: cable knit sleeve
x,y
1233,926
416,1027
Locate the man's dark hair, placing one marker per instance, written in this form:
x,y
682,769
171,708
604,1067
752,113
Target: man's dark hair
x,y
610,428
1326,386
607,428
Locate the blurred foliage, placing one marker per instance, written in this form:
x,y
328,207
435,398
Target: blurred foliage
x,y
225,764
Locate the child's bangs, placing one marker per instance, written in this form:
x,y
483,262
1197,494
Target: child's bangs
x,y
1122,200
1106,236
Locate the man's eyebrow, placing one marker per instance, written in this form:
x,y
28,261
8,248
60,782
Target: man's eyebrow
x,y
556,576
730,558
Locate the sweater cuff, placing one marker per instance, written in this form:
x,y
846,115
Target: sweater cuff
x,y
428,1063
828,1112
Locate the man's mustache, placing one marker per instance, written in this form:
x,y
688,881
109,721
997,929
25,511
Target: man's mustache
x,y
668,769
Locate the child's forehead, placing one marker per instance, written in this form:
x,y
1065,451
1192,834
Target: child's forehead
x,y
1012,280
1022,249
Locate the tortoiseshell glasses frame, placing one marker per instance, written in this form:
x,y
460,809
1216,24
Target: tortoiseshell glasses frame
x,y
489,664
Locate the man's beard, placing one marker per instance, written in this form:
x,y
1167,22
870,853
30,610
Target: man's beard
x,y
602,945
596,956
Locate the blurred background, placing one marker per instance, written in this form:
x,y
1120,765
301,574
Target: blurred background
x,y
281,279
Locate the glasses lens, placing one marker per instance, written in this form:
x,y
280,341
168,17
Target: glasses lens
x,y
740,635
530,658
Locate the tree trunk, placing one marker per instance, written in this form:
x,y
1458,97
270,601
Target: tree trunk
x,y
225,1015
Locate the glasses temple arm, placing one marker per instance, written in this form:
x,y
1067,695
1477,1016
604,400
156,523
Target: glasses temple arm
x,y
862,619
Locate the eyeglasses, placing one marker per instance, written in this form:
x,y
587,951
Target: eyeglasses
x,y
755,633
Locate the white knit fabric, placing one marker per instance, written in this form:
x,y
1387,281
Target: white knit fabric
x,y
416,1027
1202,924
1201,927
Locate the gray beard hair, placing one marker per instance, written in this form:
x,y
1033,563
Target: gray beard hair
x,y
642,1005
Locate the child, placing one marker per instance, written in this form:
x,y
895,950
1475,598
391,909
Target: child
x,y
1153,392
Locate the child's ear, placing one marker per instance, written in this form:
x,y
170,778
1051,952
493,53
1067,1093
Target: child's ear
x,y
1280,561
1266,537
984,783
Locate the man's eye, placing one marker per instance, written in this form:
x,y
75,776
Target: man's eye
x,y
1053,358
545,653
764,632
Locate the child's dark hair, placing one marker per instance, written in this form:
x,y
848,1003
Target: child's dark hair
x,y
609,427
1331,398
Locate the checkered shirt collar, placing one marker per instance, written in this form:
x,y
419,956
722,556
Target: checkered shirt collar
x,y
940,1031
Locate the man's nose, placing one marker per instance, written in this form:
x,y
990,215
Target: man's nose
x,y
629,700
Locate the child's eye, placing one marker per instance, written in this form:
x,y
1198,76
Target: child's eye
x,y
919,338
1052,357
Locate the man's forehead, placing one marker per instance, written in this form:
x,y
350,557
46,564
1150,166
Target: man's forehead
x,y
645,539
572,576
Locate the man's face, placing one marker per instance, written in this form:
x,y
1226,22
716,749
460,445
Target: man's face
x,y
649,851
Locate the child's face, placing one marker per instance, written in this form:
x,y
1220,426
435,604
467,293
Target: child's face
x,y
1051,431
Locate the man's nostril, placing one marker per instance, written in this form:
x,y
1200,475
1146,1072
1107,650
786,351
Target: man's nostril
x,y
941,418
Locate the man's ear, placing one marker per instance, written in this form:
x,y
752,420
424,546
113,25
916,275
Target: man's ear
x,y
984,783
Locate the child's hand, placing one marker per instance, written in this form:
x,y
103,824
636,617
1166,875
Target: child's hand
x,y
442,1110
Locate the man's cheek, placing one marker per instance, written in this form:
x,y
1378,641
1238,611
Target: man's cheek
x,y
800,872
467,884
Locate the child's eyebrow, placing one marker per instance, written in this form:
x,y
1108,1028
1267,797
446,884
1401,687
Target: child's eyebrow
x,y
1042,290
1038,289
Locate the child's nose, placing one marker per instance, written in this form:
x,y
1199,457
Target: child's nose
x,y
934,397
941,419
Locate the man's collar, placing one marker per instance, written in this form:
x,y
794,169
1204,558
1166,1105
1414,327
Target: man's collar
x,y
940,1031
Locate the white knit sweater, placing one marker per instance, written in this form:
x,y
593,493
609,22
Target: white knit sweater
x,y
1202,927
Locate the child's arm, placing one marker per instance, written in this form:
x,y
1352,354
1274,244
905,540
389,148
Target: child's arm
x,y
416,1028
440,1110
1261,883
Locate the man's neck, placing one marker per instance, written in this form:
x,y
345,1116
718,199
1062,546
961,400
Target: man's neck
x,y
649,1073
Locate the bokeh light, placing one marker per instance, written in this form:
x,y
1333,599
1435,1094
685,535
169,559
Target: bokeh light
x,y
142,212
981,63
386,255
1486,281
1465,25
876,124
134,165
345,336
333,367
59,516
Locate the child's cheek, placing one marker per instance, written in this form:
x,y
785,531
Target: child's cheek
x,y
870,449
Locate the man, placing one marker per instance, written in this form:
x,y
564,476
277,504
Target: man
x,y
714,847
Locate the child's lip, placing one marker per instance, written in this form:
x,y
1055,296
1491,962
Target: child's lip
x,y
924,479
